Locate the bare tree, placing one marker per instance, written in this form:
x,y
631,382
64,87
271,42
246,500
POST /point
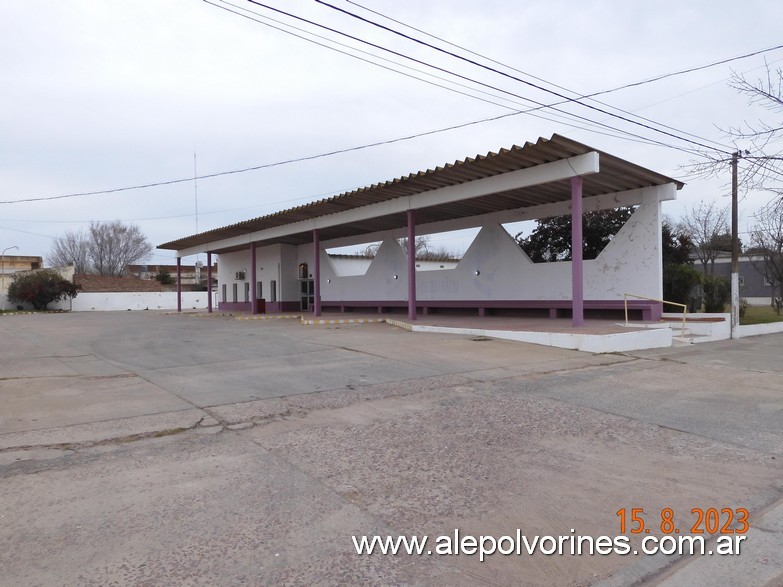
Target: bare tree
x,y
114,246
707,227
107,248
761,165
767,241
71,248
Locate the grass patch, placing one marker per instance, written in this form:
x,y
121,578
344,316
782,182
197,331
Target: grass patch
x,y
760,315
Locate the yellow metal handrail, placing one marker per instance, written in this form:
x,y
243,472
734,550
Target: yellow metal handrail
x,y
683,306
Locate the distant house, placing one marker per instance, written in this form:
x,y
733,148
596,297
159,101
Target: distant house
x,y
754,287
12,264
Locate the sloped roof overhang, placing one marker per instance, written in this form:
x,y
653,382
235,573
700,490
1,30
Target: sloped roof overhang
x,y
519,177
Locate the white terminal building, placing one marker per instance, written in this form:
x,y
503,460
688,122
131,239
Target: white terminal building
x,y
279,262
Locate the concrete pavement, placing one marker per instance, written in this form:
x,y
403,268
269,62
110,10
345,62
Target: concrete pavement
x,y
139,448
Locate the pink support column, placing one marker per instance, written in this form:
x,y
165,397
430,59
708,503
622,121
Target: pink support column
x,y
577,264
253,293
316,272
209,283
179,284
411,266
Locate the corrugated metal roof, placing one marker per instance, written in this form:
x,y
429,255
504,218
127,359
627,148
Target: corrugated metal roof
x,y
615,175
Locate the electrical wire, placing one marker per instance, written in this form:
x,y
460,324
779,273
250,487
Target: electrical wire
x,y
373,144
497,71
358,50
593,94
460,76
530,111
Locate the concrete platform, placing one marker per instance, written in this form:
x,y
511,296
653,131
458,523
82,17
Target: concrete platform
x,y
596,336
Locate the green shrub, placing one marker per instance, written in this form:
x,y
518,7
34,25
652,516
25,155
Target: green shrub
x,y
164,277
717,293
679,282
40,288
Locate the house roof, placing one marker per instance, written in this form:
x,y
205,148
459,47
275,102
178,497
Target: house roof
x,y
615,175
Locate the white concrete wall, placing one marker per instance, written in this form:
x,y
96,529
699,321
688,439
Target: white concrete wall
x,y
290,257
630,263
104,301
268,269
378,283
352,266
758,329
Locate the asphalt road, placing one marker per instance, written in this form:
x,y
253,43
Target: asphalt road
x,y
147,449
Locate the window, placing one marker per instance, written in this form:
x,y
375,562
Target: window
x,y
247,291
767,282
273,291
235,286
741,280
259,291
225,294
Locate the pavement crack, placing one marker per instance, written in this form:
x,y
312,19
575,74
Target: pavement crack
x,y
118,440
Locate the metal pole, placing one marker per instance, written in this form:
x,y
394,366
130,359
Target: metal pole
x,y
577,264
209,282
316,272
411,266
179,284
734,249
253,278
2,272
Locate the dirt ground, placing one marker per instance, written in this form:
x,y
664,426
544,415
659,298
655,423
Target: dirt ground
x,y
408,434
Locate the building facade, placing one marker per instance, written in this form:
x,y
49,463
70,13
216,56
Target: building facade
x,y
282,258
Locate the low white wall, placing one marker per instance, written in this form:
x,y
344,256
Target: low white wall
x,y
633,340
756,329
496,268
701,331
166,300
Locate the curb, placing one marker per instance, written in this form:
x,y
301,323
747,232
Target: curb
x,y
269,317
319,322
26,313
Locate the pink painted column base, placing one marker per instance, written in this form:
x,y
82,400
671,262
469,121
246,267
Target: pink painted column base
x,y
179,284
316,272
209,283
411,266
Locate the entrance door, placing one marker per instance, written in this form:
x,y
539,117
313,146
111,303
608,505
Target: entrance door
x,y
307,294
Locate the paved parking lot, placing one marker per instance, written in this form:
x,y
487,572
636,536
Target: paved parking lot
x,y
144,449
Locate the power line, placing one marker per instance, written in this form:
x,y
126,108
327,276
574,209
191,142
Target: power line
x,y
593,94
262,166
530,111
494,70
266,18
441,69
368,145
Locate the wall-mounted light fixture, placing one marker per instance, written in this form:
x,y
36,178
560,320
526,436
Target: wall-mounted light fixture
x,y
328,281
478,272
396,277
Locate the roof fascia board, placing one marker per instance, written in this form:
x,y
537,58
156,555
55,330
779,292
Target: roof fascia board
x,y
585,164
603,202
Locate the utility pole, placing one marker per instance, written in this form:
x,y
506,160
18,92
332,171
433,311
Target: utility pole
x,y
734,249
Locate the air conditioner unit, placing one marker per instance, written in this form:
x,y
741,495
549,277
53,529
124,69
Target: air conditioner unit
x,y
239,275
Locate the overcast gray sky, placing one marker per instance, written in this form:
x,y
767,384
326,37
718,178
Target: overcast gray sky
x,y
106,94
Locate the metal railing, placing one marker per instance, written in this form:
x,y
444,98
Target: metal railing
x,y
683,306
